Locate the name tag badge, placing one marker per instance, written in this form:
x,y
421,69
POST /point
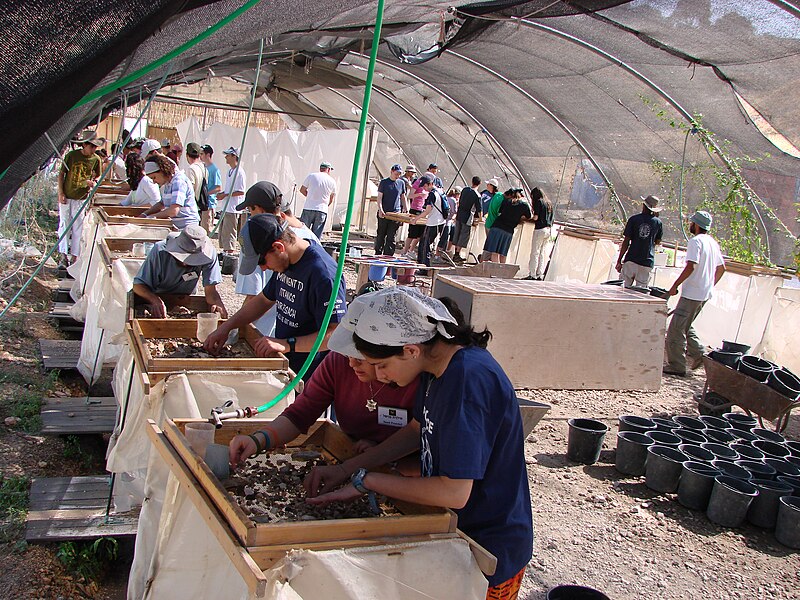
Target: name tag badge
x,y
189,276
393,417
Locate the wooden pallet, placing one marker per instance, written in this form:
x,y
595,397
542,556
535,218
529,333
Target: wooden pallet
x,y
60,354
74,508
68,416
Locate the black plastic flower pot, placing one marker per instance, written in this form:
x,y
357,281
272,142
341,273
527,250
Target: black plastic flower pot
x,y
787,526
712,422
763,512
664,424
794,482
697,453
690,436
575,592
785,382
757,469
771,448
741,421
731,469
747,452
729,359
782,466
695,485
635,423
585,440
755,367
719,436
721,451
735,347
744,436
770,436
794,448
632,452
662,438
687,422
730,500
663,468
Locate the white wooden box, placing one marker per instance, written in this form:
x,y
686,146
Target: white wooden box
x,y
565,336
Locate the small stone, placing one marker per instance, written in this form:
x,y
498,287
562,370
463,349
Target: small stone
x,y
42,464
11,421
6,356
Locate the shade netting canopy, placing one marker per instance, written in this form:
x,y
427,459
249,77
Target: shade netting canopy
x,y
595,102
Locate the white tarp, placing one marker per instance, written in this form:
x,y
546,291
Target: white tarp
x,y
285,158
185,395
191,395
579,260
190,564
779,343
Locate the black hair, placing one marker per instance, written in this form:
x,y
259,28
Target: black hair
x,y
476,180
512,192
134,169
463,335
537,194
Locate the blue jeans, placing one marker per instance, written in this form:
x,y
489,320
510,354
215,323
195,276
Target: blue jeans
x,y
314,220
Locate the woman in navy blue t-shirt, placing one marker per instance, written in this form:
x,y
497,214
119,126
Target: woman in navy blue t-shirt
x,y
466,424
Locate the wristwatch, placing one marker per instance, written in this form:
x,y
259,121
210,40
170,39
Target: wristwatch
x,y
358,481
292,341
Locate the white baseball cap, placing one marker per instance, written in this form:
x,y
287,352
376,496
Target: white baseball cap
x,y
393,316
493,182
149,145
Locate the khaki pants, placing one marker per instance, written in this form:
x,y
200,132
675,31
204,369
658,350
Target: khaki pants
x,y
537,262
681,337
231,226
207,219
635,274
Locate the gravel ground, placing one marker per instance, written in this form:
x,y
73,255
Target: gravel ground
x,y
595,527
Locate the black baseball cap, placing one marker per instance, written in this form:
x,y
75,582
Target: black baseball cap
x,y
264,194
256,239
207,149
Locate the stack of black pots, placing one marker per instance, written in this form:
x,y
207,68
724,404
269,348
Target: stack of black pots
x,y
778,378
728,467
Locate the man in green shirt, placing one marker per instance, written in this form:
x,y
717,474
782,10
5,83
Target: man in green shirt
x,y
493,210
80,171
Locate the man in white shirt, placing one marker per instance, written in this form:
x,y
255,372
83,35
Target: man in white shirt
x,y
320,192
704,268
229,198
118,169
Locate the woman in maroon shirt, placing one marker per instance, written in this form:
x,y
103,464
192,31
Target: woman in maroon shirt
x,y
366,409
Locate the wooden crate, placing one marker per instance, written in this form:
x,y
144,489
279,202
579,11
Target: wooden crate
x,y
114,248
143,329
124,211
128,220
565,336
207,495
192,302
335,445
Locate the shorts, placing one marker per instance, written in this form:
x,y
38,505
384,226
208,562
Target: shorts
x,y
415,231
498,241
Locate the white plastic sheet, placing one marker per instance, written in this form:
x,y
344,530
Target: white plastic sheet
x,y
141,474
189,564
284,157
779,342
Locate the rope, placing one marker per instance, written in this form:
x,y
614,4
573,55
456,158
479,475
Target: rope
x,y
362,127
229,193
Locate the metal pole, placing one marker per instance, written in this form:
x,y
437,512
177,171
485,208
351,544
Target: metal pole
x,y
368,162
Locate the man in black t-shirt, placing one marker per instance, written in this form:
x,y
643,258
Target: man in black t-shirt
x,y
469,206
637,253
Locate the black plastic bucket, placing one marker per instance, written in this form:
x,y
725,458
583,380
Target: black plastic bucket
x,y
741,421
787,527
770,436
721,451
697,453
735,347
719,436
631,452
690,436
585,440
772,449
730,500
747,452
755,367
782,466
637,424
687,422
729,359
784,382
575,592
757,469
731,469
696,483
663,468
664,424
763,511
712,422
663,438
